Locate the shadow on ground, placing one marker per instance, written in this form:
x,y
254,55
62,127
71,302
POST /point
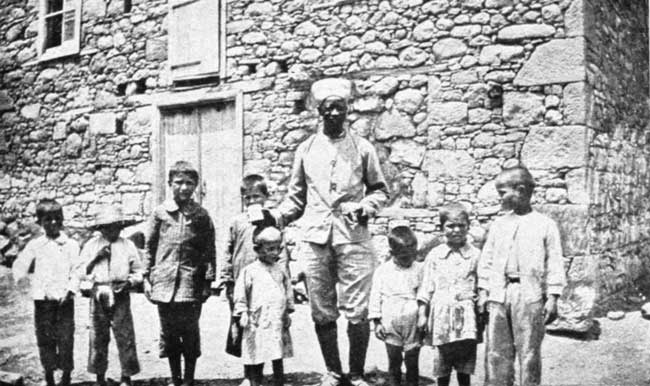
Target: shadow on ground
x,y
292,379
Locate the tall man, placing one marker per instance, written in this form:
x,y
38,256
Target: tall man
x,y
336,186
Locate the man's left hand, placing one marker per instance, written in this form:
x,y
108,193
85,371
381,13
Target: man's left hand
x,y
354,212
550,309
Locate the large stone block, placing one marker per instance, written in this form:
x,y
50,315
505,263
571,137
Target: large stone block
x,y
574,19
393,124
102,123
575,103
499,53
386,86
573,221
525,31
558,61
139,120
408,152
555,147
256,122
156,49
448,164
576,184
447,112
522,108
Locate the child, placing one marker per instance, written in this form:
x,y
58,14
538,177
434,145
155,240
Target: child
x,y
179,268
446,299
263,301
54,258
393,307
240,250
520,276
112,264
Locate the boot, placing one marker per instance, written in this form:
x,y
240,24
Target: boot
x,y
328,340
358,337
278,372
411,359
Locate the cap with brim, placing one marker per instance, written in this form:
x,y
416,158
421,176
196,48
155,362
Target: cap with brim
x,y
112,215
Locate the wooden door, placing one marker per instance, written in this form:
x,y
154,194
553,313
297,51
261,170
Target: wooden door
x,y
210,138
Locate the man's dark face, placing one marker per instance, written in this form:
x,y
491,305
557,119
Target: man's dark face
x,y
334,111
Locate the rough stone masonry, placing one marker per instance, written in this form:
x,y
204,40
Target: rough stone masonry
x,y
449,92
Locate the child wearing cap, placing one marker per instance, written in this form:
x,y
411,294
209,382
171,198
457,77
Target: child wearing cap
x,y
54,260
263,302
180,263
112,264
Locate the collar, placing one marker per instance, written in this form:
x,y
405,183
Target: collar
x,y
464,251
61,240
341,137
171,206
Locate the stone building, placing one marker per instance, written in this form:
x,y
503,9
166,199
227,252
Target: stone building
x,y
97,97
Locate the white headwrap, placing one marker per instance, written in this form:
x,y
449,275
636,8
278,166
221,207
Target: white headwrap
x,y
330,87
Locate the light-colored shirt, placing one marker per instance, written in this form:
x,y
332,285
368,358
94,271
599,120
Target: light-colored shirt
x,y
534,240
123,265
392,286
55,263
449,288
328,172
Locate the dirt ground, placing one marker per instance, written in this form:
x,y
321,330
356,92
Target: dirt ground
x,y
620,356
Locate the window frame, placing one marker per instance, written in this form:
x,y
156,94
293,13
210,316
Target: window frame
x,y
66,48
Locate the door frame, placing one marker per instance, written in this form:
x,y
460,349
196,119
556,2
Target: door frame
x,y
184,99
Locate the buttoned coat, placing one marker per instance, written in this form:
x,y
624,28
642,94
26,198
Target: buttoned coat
x,y
180,258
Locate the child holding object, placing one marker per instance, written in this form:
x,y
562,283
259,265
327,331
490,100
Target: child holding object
x,y
113,266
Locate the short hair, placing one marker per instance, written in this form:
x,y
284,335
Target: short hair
x,y
523,172
48,206
254,181
183,167
401,236
451,209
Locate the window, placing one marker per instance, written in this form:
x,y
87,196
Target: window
x,y
195,38
59,28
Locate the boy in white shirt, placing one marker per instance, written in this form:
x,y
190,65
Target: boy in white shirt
x,y
54,259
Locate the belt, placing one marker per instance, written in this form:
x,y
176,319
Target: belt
x,y
512,279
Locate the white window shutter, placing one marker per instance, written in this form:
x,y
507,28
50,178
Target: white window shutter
x,y
194,38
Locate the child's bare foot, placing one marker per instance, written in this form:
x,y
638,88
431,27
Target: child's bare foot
x,y
125,381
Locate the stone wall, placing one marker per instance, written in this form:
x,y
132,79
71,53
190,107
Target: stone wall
x,y
617,91
448,91
69,129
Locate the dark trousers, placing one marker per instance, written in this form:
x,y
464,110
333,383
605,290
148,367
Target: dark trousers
x,y
179,329
55,333
120,320
255,373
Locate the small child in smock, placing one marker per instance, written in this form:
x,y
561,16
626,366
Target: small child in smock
x,y
263,301
447,296
393,306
